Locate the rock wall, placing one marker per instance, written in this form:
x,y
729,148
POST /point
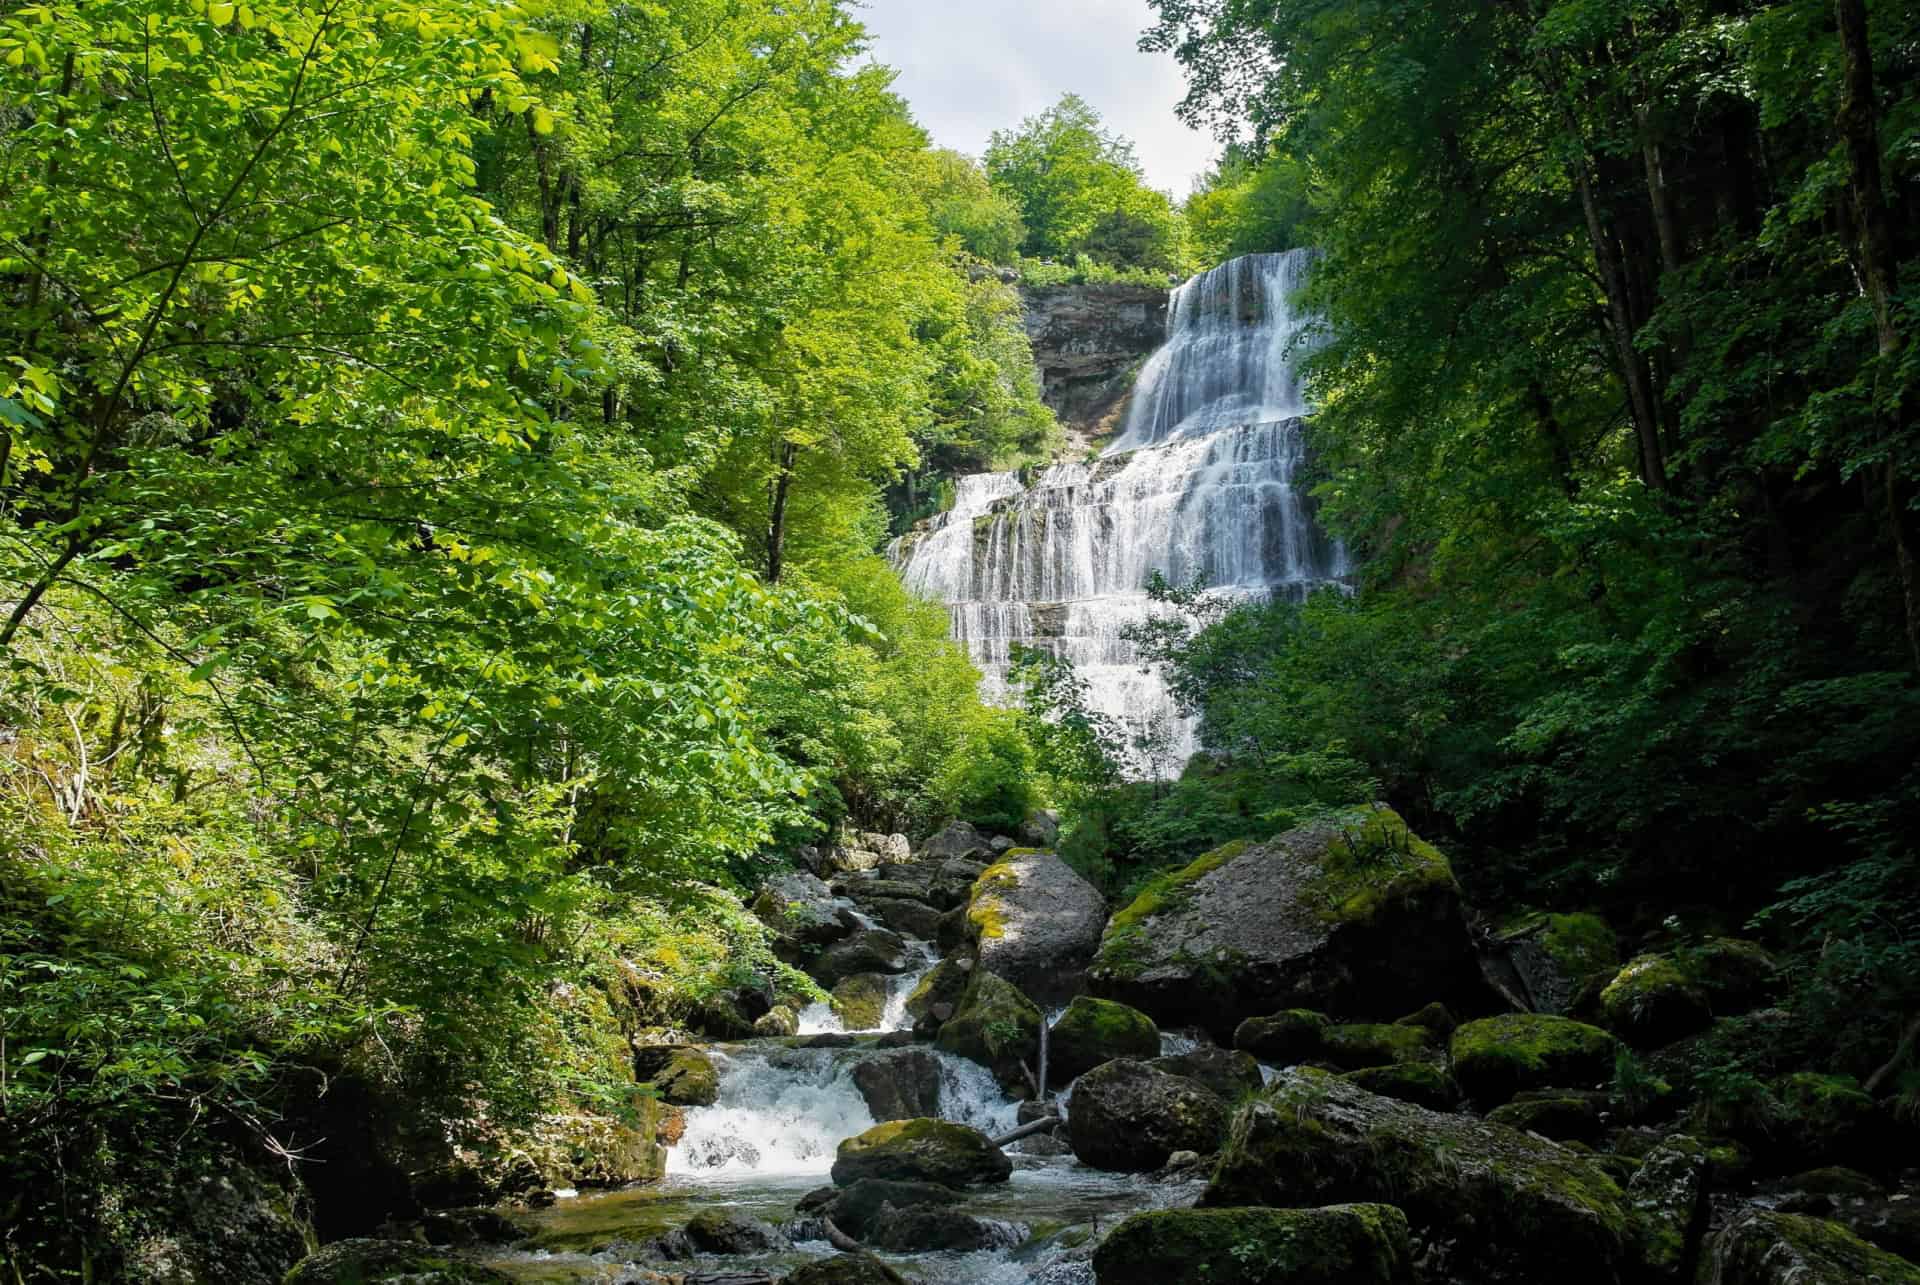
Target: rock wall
x,y
1088,341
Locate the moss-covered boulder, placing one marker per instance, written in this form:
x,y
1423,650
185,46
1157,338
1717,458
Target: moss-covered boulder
x,y
1823,1119
1128,1117
1227,1072
899,1084
1093,1031
845,1269
803,914
871,950
1497,1057
1766,1248
996,1026
1352,913
1034,921
1659,998
1668,1195
1514,1202
1338,1245
1421,1083
399,1262
1434,1019
860,1001
1359,1045
1283,1038
1553,964
780,1020
924,1150
682,1076
936,996
1562,1116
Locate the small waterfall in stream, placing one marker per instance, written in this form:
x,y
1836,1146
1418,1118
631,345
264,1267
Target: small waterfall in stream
x,y
1201,483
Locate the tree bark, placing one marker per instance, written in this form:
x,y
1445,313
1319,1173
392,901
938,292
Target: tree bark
x,y
1642,401
777,516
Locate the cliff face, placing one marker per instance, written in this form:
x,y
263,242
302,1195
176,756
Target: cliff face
x,y
1088,342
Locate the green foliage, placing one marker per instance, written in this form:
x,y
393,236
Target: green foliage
x,y
1248,205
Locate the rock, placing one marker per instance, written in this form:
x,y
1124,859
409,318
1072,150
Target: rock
x,y
926,1229
1551,964
958,841
1001,844
1765,1248
1657,999
1338,1245
1284,1038
1228,1074
1833,1180
1042,829
725,1231
1513,1203
722,1017
845,1269
802,910
827,1040
902,1084
1497,1057
891,847
682,1075
1823,1119
913,918
1668,1196
1358,1046
1126,1116
1421,1083
865,890
860,1001
961,870
1433,1019
1093,1031
995,1026
921,1151
850,860
468,1227
871,950
1088,341
1037,923
859,1208
1351,913
778,1020
942,986
1562,1117
402,1262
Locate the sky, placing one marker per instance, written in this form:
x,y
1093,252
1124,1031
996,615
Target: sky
x,y
969,67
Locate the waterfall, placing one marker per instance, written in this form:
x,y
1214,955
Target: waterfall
x,y
1199,484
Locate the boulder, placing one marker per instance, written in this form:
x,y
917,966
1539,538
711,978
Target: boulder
x,y
860,1001
778,1020
1562,1116
936,996
871,950
845,1269
1037,923
912,918
1815,1119
1093,1031
1512,1202
959,841
727,1231
1551,964
1668,1195
682,1075
1765,1248
1357,1046
1497,1057
891,847
1229,1074
1042,829
802,911
1434,1019
847,859
1129,1117
1337,1245
1659,998
864,890
1283,1038
1421,1083
927,1229
901,1084
962,870
402,1262
1351,913
996,1026
859,1208
921,1150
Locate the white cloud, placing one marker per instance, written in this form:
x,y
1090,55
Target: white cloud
x,y
969,67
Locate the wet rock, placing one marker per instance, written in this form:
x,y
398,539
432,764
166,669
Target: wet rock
x,y
921,1151
1564,1117
941,987
860,1001
1421,1083
871,950
1668,1197
1356,1046
858,1208
1351,913
1764,1248
1513,1203
681,1074
995,1026
903,1084
959,841
925,1229
845,1269
913,918
1551,964
1283,1038
378,1262
778,1020
1129,1117
1037,923
1088,341
1042,1144
723,1017
725,1231
802,911
1362,1244
1228,1074
1093,1031
827,1040
466,1227
1497,1057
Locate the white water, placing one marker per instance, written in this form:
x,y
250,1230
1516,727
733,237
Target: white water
x,y
1200,484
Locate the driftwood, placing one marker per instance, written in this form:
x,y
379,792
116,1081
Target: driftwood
x,y
1026,1130
1040,1081
848,1245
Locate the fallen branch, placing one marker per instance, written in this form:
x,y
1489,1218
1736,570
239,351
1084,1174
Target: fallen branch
x,y
1026,1130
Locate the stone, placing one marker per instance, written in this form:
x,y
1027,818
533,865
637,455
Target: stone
x,y
1360,1244
1660,998
1433,1019
1352,912
1512,1202
1088,341
912,918
1421,1083
926,1229
901,1084
940,987
958,841
996,1026
1356,1046
682,1075
871,950
726,1231
961,870
1765,1248
860,1001
1575,1117
1551,964
850,860
1283,1038
1823,1119
801,909
1037,923
1229,1074
1001,844
1497,1057
402,1262
1128,1117
860,1207
922,1150
779,1020
891,847
1668,1195
845,1269
1093,1031
467,1227
1042,829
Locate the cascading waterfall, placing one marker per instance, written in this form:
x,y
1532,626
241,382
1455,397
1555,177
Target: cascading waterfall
x,y
1199,484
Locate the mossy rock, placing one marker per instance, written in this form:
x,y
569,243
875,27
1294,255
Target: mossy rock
x,y
1283,1038
780,1020
996,1026
860,1001
1228,1073
1564,1118
1668,1195
1653,1001
1093,1031
1036,921
1834,1180
1126,1116
1361,1244
859,1208
1497,1057
936,996
1766,1248
681,1075
1421,1083
845,1269
1433,1018
922,1150
1827,1119
378,1262
1555,962
1356,1046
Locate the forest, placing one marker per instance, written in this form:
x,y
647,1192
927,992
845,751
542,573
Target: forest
x,y
452,449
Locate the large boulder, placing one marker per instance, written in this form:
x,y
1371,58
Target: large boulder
x,y
1230,1074
1497,1057
845,1269
912,918
401,1262
802,911
1356,1046
1551,963
900,1084
725,1232
860,1001
1338,1245
1093,1031
1421,1083
683,1076
937,995
1352,913
1037,923
923,1150
959,841
871,950
996,1026
1284,1038
1129,1117
1765,1248
1512,1202
1668,1195
1659,998
891,847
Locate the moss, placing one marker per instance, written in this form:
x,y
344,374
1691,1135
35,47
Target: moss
x,y
1767,1246
996,1026
1163,892
860,1001
1356,1046
1433,1018
1581,944
1374,861
1560,1118
944,983
921,1150
1093,1031
1655,1001
1496,1057
1361,1244
1294,1035
1421,1083
985,918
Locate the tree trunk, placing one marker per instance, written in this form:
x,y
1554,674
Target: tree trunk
x,y
1642,401
777,518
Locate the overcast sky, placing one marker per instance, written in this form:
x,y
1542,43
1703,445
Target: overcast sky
x,y
969,67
